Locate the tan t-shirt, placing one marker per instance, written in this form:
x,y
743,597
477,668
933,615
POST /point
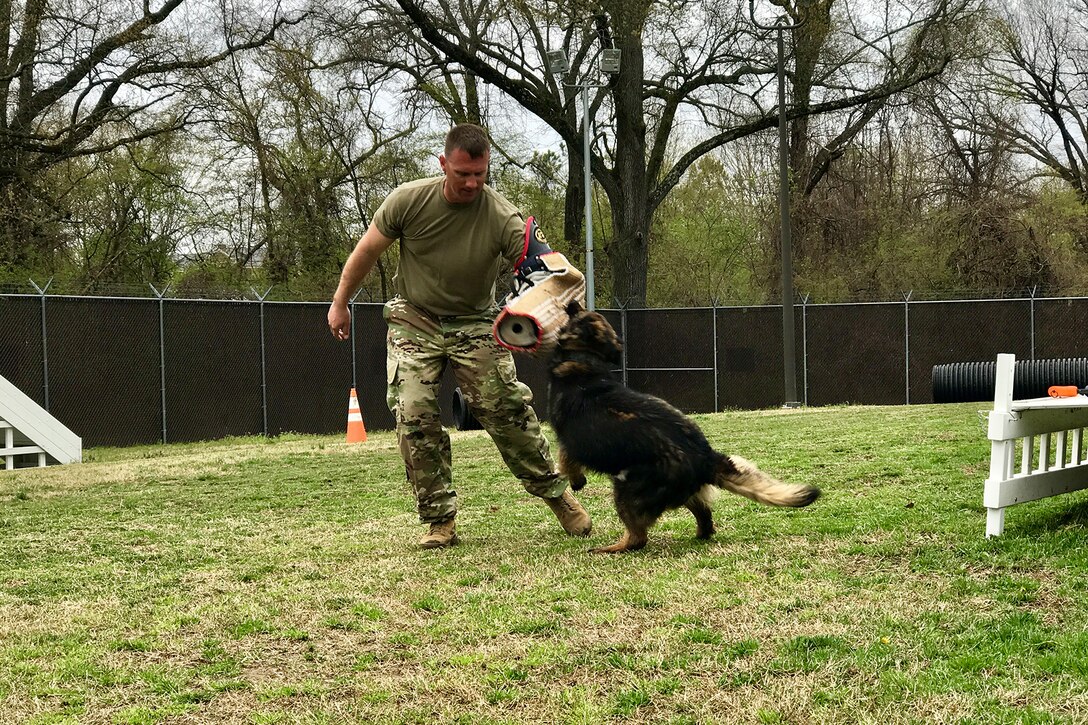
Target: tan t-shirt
x,y
451,255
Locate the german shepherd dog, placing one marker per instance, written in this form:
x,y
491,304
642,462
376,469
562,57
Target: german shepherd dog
x,y
657,457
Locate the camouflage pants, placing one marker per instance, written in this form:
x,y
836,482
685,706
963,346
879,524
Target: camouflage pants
x,y
420,346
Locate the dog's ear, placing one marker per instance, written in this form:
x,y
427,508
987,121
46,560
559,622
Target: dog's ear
x,y
615,350
612,342
573,308
604,340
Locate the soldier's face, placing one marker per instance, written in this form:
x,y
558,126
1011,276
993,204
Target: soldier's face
x,y
465,176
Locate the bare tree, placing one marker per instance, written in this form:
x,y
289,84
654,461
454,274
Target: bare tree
x,y
695,76
305,133
81,78
1041,63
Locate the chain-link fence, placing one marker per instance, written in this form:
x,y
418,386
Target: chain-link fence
x,y
121,371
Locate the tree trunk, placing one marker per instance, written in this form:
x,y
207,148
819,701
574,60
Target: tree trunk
x,y
808,46
574,211
628,188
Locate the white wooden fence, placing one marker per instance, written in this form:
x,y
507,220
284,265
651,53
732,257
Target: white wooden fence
x,y
1037,447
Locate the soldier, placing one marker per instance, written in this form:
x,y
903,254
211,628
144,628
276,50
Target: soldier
x,y
457,235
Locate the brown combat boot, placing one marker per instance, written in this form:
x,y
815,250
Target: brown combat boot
x,y
442,533
571,515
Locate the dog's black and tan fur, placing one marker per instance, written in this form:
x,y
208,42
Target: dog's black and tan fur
x,y
657,457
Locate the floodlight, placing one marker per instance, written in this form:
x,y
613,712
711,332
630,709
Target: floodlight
x,y
610,60
557,62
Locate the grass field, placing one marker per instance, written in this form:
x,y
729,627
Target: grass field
x,y
278,581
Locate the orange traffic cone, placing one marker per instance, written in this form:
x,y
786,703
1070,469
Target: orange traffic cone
x,y
356,429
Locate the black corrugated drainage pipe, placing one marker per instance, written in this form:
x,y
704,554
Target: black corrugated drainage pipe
x,y
971,381
462,413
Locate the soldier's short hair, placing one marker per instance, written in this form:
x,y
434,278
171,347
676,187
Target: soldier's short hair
x,y
470,138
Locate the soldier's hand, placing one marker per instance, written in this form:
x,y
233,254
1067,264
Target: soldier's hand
x,y
339,321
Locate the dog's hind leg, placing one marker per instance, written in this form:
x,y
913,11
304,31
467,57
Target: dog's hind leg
x,y
699,506
635,535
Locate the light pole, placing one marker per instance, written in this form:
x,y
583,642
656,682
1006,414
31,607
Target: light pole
x,y
558,65
789,355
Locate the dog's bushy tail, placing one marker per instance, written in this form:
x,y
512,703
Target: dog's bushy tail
x,y
743,478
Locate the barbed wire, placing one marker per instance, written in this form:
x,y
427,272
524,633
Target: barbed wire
x,y
279,293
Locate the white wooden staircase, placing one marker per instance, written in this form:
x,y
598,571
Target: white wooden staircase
x,y
30,436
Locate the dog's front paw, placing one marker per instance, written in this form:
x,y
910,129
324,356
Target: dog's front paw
x,y
577,483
